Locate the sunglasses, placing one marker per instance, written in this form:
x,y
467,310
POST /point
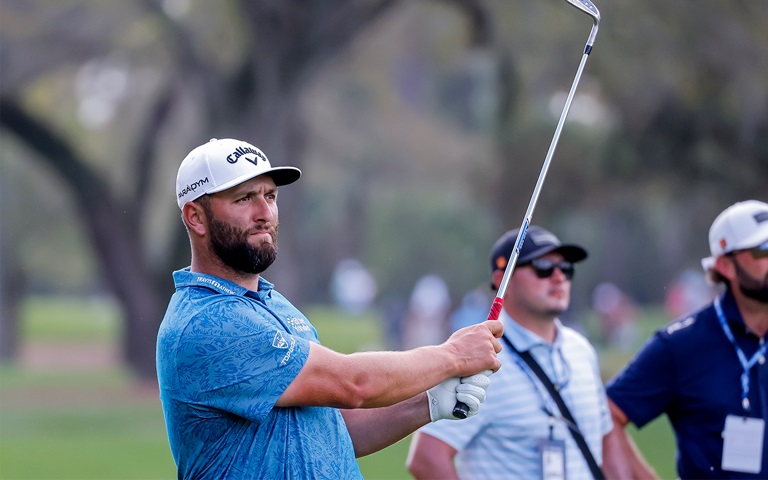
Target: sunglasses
x,y
758,252
545,268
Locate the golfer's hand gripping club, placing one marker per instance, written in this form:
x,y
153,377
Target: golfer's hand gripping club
x,y
470,391
461,410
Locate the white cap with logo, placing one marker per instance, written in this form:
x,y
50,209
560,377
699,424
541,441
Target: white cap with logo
x,y
223,163
742,226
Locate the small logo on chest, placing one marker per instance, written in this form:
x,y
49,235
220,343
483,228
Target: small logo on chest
x,y
297,324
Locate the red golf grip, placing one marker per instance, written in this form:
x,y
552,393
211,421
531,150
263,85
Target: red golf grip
x,y
461,410
498,304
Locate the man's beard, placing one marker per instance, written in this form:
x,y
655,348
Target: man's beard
x,y
750,286
231,245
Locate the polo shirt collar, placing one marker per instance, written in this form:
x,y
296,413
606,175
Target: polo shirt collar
x,y
187,278
523,339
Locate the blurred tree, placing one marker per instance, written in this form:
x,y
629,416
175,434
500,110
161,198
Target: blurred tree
x,y
157,77
245,85
428,123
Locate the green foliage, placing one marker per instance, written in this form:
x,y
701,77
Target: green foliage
x,y
433,232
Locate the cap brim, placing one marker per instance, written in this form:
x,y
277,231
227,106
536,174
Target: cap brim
x,y
708,263
284,175
758,240
570,252
280,175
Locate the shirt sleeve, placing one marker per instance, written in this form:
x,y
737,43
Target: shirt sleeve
x,y
237,359
646,386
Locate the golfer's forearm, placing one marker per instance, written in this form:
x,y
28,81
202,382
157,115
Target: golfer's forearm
x,y
377,428
385,378
368,379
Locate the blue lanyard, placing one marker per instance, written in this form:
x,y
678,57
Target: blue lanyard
x,y
745,364
546,401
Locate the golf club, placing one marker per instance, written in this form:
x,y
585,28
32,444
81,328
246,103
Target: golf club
x,y
586,6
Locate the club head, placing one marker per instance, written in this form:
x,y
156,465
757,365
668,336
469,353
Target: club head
x,y
587,7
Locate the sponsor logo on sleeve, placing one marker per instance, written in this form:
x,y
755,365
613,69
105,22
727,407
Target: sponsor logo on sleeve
x,y
279,341
288,354
677,326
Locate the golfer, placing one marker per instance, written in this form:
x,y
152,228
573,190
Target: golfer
x,y
247,390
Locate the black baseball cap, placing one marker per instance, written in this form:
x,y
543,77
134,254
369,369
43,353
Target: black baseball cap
x,y
538,242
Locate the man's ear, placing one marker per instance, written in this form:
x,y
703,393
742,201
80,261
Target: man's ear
x,y
194,216
724,266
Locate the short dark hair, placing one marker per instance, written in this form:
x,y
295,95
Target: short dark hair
x,y
714,277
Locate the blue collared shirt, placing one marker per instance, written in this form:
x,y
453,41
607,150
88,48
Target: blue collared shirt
x,y
225,355
689,370
502,440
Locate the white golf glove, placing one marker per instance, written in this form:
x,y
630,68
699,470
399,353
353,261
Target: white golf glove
x,y
468,390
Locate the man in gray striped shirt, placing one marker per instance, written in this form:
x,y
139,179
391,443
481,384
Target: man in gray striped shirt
x,y
520,432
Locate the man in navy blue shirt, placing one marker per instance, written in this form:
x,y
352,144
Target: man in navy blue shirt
x,y
706,371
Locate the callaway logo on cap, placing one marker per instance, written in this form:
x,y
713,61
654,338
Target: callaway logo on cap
x,y
741,226
222,164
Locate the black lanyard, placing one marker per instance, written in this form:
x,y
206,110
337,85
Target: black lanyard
x,y
573,427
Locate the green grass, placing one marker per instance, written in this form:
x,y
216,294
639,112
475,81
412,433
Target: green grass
x,y
43,438
346,333
85,443
657,443
69,319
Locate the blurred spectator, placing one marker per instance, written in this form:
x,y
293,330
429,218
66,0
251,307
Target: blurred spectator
x,y
617,316
474,308
689,292
352,286
529,427
393,308
426,320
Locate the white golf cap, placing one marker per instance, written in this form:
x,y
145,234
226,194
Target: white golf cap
x,y
741,226
223,163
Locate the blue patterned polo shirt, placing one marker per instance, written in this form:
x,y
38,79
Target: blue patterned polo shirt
x,y
225,354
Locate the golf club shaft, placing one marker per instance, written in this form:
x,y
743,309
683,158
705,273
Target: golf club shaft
x,y
461,410
494,314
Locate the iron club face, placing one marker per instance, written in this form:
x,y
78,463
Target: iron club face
x,y
590,9
587,7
